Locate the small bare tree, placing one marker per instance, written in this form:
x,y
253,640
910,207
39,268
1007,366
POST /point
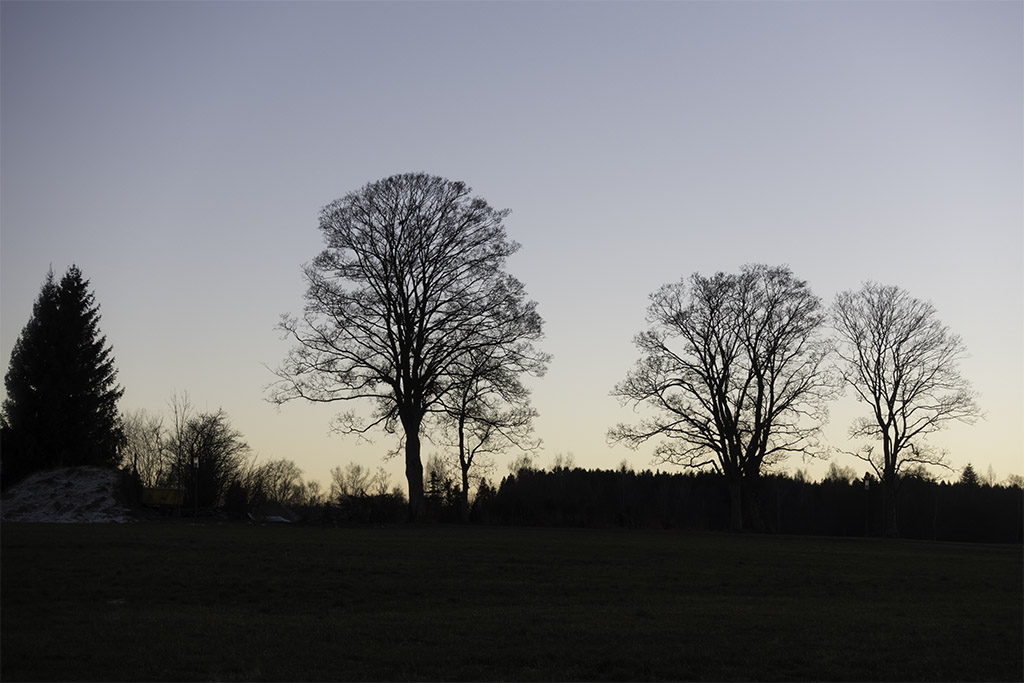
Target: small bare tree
x,y
488,409
734,368
524,462
145,450
1014,480
565,461
312,494
279,481
380,484
902,362
840,473
205,453
351,481
442,489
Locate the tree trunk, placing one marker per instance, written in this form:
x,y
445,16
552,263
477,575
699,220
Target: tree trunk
x,y
752,504
464,496
464,466
890,528
735,505
890,483
414,471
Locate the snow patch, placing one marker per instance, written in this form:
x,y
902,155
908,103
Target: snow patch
x,y
68,495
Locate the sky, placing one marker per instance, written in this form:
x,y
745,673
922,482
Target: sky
x,y
179,154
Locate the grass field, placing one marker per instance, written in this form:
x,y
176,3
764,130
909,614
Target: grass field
x,y
232,602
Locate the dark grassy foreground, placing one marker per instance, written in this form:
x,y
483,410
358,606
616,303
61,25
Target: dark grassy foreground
x,y
183,602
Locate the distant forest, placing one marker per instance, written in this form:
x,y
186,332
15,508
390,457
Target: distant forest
x,y
699,501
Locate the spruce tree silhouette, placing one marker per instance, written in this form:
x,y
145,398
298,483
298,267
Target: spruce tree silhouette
x,y
61,405
969,477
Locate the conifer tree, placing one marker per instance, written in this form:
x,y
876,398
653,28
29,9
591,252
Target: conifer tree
x,y
969,477
61,405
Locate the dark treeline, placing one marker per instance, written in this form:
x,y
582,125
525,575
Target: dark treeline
x,y
700,501
354,510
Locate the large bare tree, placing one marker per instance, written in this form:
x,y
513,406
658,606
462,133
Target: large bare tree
x,y
733,367
902,362
411,280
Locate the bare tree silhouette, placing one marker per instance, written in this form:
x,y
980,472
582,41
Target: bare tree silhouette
x,y
411,281
488,408
734,368
902,362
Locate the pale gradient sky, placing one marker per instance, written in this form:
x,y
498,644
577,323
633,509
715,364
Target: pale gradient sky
x,y
179,153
